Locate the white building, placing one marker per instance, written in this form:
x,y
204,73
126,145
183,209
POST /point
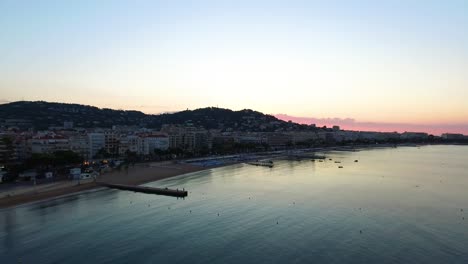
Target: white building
x,y
414,136
128,144
48,143
96,142
451,136
345,136
149,143
79,144
302,137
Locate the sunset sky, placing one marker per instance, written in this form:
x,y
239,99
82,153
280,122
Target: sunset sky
x,y
393,62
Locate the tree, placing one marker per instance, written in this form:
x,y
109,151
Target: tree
x,y
131,156
56,159
102,154
7,151
61,158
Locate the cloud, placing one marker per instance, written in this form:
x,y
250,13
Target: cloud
x,y
352,124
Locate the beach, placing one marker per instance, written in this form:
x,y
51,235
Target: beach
x,y
141,173
135,175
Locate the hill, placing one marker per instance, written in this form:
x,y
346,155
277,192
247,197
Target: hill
x,y
42,115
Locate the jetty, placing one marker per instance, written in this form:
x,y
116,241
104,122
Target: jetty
x,y
268,163
302,156
145,189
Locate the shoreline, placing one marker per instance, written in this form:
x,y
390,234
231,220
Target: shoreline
x,y
139,174
142,173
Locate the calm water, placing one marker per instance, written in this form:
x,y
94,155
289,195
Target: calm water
x,y
408,202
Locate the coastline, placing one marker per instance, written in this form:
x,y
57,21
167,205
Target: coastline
x,y
138,174
142,173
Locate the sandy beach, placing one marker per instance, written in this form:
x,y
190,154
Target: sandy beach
x,y
135,175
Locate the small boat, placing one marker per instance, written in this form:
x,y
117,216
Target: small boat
x,y
337,161
356,161
340,167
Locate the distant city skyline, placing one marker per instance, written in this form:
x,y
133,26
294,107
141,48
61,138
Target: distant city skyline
x,y
384,64
357,125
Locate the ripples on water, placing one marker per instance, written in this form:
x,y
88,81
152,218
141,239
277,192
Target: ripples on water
x,y
404,205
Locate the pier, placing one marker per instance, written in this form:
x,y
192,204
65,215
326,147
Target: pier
x,y
144,189
267,163
301,156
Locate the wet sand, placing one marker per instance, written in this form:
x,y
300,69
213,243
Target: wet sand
x,y
135,175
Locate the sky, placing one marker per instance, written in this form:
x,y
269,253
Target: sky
x,y
377,62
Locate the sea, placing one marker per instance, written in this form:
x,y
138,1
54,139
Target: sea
x,y
385,205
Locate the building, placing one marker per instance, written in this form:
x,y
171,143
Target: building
x,y
149,143
111,142
7,149
128,144
79,144
48,143
303,137
176,140
451,136
345,136
414,136
96,142
277,139
187,137
21,124
22,146
68,125
249,138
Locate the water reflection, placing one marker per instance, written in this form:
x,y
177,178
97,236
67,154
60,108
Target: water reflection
x,y
367,212
9,220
